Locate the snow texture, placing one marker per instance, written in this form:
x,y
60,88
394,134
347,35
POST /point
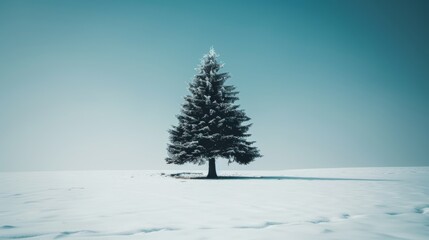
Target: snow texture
x,y
360,203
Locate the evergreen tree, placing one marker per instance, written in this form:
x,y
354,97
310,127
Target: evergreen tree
x,y
210,124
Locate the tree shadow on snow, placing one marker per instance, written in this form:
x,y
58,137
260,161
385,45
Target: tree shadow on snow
x,y
199,176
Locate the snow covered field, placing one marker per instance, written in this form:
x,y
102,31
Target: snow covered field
x,y
359,203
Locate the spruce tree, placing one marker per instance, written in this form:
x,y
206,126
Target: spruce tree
x,y
211,125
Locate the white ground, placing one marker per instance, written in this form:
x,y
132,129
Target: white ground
x,y
294,204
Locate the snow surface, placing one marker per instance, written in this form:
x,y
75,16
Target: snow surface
x,y
359,203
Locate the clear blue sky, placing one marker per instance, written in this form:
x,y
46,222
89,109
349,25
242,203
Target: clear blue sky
x,y
96,84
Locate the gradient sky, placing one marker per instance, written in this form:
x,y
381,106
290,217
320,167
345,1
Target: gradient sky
x,y
97,84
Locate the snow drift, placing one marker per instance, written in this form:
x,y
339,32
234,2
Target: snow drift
x,y
359,203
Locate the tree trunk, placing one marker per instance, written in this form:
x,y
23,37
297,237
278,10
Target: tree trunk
x,y
212,168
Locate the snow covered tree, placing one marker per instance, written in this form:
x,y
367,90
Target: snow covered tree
x,y
210,125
